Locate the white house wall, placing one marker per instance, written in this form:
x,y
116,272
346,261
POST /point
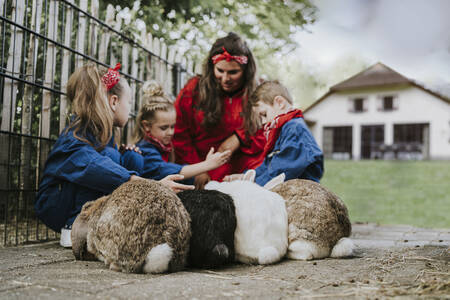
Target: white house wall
x,y
414,106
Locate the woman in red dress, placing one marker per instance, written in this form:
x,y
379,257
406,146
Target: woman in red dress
x,y
209,111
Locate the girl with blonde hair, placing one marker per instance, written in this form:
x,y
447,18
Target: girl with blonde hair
x,y
85,163
153,135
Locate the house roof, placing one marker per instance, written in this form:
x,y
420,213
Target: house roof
x,y
378,75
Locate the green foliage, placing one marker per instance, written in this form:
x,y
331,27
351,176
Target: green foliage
x,y
194,24
393,192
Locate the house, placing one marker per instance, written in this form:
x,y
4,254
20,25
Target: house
x,y
381,114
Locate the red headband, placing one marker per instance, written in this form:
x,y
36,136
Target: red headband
x,y
112,77
228,57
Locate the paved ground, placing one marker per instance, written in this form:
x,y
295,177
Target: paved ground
x,y
391,261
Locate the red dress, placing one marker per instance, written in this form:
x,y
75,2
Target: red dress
x,y
192,141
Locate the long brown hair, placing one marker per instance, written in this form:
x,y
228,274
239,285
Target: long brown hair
x,y
153,99
90,105
209,90
265,92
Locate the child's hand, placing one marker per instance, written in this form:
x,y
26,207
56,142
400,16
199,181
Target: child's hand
x,y
217,158
169,181
233,177
130,147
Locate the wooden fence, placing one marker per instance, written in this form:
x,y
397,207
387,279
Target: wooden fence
x,y
42,43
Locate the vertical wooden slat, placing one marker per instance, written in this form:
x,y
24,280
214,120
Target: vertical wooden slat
x,y
27,108
13,67
163,68
125,60
36,13
157,61
65,68
50,66
134,73
190,67
171,60
117,26
184,66
93,29
149,59
198,68
143,42
81,34
106,35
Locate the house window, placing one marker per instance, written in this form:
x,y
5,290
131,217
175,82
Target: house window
x,y
358,105
337,142
388,103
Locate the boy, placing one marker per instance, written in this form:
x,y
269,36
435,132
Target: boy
x,y
290,146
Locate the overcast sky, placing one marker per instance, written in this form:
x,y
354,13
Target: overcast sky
x,y
410,36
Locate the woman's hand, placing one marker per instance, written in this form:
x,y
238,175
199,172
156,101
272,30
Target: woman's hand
x,y
169,181
232,143
131,147
201,180
233,177
218,158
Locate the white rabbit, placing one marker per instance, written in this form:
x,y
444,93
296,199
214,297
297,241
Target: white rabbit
x,y
262,224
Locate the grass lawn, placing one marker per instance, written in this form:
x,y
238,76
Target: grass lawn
x,y
393,192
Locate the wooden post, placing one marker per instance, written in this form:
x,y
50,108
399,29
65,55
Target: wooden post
x,y
13,67
103,51
50,66
65,68
93,29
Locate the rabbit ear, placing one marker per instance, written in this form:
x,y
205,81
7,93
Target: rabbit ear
x,y
249,175
275,181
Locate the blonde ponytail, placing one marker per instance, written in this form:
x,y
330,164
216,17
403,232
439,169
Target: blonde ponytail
x,y
89,101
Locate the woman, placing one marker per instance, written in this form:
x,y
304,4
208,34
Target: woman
x,y
209,111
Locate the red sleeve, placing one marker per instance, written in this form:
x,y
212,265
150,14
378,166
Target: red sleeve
x,y
185,149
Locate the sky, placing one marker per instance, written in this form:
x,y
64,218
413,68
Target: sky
x,y
410,36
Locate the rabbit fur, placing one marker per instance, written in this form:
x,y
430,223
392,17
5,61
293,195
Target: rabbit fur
x,y
319,225
213,223
141,227
262,225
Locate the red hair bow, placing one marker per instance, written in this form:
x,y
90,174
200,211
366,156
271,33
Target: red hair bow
x,y
228,57
112,77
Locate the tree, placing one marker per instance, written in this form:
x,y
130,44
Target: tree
x,y
195,24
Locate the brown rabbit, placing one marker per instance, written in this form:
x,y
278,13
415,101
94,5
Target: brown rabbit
x,y
141,227
318,221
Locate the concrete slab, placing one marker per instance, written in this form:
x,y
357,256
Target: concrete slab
x,y
384,265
